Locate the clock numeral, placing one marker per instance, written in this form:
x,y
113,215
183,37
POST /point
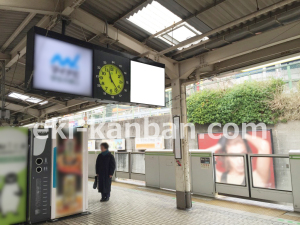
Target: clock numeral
x,y
106,69
119,76
102,83
98,67
125,90
112,97
103,73
120,96
97,76
127,82
116,89
111,69
104,93
98,85
125,73
110,90
106,88
104,62
119,86
101,78
120,66
113,62
121,82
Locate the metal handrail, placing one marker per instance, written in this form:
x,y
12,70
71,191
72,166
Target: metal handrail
x,y
229,154
269,155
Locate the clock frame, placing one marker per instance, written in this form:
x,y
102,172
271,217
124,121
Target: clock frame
x,y
121,67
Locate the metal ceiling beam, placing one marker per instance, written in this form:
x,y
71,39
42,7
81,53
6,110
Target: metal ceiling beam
x,y
243,47
228,25
57,108
21,91
30,106
184,20
261,56
4,56
17,31
20,50
31,6
46,22
15,107
97,26
86,21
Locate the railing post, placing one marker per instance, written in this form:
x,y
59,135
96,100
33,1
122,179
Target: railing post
x,y
290,76
129,164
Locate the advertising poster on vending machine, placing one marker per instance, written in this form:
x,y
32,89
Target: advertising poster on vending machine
x,y
13,175
69,190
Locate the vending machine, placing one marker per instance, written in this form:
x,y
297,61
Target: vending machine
x,y
70,173
39,175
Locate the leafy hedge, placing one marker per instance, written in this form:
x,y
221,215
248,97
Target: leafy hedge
x,y
243,103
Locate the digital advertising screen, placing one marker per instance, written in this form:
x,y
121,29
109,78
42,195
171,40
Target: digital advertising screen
x,y
62,67
147,84
231,169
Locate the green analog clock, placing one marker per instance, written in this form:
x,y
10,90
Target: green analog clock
x,y
111,79
112,76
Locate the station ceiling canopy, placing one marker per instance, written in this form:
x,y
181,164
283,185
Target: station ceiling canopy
x,y
191,37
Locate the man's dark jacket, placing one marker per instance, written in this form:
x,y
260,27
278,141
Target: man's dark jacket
x,y
105,167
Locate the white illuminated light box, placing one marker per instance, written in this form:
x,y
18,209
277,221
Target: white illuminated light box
x,y
62,67
177,140
147,84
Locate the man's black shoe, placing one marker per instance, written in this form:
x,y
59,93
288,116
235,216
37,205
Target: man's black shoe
x,y
102,200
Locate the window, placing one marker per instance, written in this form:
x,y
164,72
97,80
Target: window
x,y
155,17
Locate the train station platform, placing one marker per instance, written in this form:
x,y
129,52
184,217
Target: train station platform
x,y
133,204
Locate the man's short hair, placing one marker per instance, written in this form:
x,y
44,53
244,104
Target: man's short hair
x,y
105,145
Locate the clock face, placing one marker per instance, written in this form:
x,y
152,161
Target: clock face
x,y
111,79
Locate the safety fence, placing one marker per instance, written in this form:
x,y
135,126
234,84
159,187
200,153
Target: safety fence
x,y
257,176
130,165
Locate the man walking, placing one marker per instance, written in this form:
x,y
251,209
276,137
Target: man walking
x,y
105,168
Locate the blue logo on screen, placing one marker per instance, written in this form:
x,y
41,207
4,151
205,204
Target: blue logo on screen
x,y
65,69
66,61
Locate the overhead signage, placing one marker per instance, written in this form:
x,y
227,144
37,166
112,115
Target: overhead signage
x,y
58,65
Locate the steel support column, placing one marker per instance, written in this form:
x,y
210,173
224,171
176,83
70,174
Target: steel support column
x,y
183,184
2,91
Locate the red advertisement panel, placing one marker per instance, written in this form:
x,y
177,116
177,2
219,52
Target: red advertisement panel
x,y
230,169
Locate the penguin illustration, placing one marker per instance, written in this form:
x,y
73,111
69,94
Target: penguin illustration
x,y
10,195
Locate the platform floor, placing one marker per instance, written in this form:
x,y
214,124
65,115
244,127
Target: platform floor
x,y
131,204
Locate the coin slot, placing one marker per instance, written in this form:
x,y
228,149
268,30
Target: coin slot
x,y
39,161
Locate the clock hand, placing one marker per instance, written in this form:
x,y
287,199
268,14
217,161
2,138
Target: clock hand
x,y
111,79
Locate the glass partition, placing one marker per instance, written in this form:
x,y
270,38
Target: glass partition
x,y
138,163
271,172
122,162
230,169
